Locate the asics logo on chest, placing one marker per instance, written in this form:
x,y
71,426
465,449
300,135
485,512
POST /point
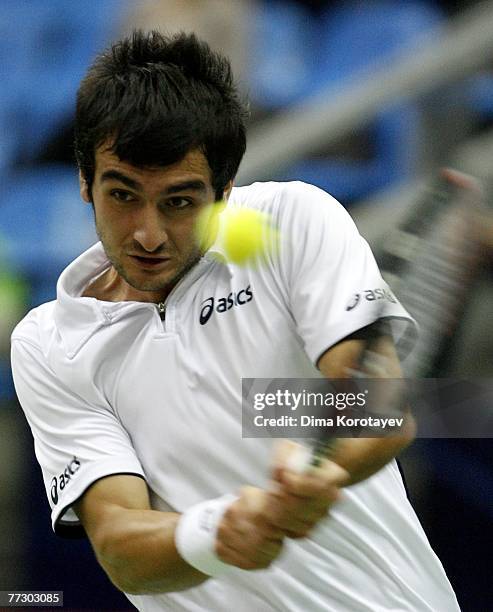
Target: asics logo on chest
x,y
223,304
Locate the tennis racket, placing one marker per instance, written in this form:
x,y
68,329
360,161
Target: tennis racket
x,y
429,260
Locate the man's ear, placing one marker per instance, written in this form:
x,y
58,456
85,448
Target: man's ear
x,y
84,188
227,189
221,205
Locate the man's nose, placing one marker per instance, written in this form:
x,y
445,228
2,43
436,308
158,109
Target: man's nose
x,y
150,232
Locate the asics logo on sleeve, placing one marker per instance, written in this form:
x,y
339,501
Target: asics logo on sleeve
x,y
354,301
223,304
370,295
61,481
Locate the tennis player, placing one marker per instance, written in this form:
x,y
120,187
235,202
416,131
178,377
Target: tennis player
x,y
131,378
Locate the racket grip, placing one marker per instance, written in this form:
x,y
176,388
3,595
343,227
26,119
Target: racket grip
x,y
300,460
303,458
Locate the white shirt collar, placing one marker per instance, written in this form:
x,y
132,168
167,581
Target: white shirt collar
x,y
78,318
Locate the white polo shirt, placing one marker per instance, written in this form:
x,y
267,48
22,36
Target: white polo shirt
x,y
108,388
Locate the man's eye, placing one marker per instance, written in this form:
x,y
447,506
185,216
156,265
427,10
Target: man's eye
x,y
179,203
121,196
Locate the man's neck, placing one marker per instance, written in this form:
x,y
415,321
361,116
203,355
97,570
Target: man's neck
x,y
111,287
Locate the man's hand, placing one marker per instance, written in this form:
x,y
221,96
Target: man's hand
x,y
299,501
246,537
252,530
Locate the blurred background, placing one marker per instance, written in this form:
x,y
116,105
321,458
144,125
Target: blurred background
x,y
366,99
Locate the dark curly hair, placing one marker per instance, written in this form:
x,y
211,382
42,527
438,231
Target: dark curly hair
x,y
156,97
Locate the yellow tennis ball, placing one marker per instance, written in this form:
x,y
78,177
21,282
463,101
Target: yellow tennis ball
x,y
247,235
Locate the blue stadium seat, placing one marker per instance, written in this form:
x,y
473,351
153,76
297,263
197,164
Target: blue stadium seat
x,y
281,51
352,37
479,93
43,225
394,137
355,34
45,47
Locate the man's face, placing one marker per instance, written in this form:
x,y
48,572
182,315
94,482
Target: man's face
x,y
146,218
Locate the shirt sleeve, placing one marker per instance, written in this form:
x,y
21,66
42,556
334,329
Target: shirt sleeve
x,y
76,443
334,284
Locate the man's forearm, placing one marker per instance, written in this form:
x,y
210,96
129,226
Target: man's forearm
x,y
363,457
137,550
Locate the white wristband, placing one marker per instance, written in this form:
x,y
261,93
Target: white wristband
x,y
195,535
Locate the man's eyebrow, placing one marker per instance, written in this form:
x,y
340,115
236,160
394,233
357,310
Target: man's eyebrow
x,y
115,175
196,185
193,185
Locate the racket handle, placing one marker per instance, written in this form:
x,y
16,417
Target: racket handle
x,y
303,458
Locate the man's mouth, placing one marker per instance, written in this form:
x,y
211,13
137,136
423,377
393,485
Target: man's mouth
x,y
149,262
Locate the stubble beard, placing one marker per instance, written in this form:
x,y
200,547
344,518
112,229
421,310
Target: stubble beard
x,y
166,284
157,284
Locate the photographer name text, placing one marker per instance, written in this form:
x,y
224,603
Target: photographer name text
x,y
340,420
